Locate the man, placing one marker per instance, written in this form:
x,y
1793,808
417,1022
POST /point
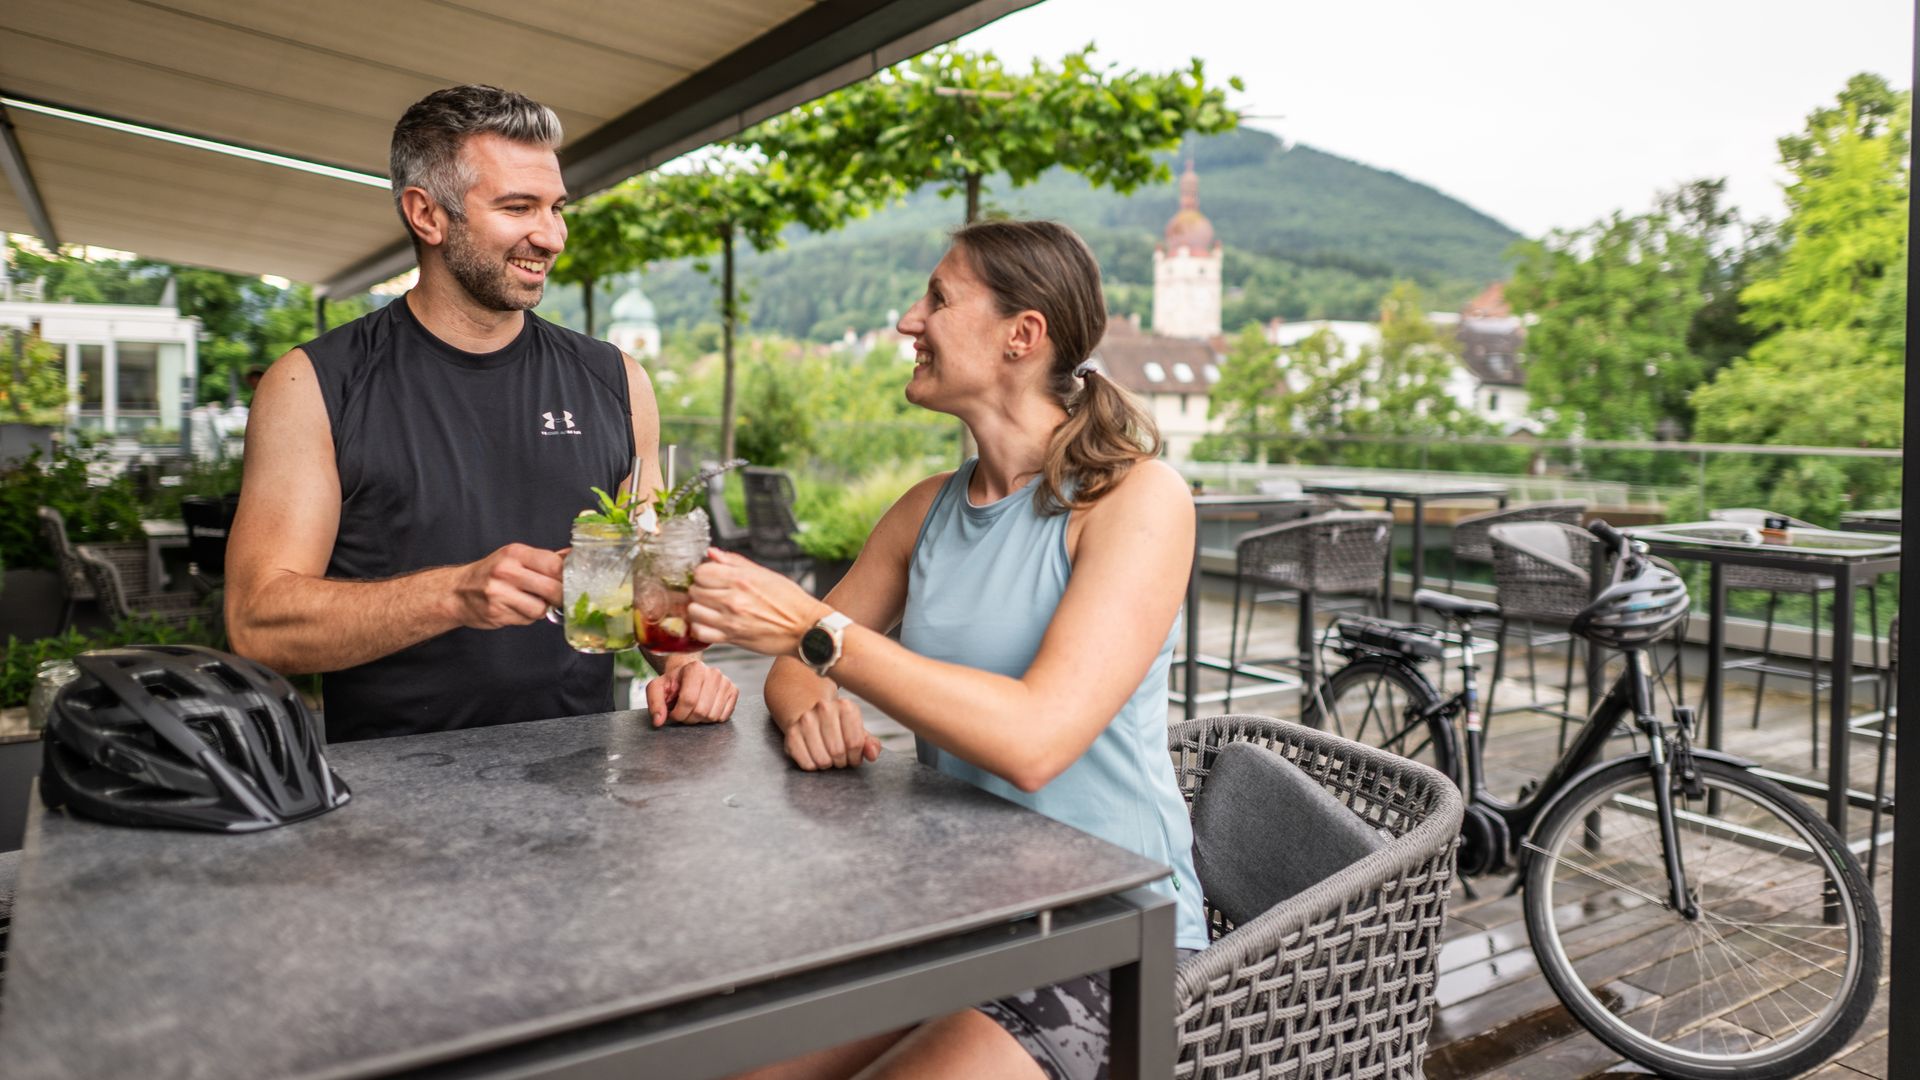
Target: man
x,y
409,475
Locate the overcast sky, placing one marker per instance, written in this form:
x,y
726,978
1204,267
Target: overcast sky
x,y
1543,113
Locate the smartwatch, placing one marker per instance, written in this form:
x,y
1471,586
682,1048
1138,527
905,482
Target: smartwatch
x,y
821,645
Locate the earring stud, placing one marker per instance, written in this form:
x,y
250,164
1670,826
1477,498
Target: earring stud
x,y
1011,355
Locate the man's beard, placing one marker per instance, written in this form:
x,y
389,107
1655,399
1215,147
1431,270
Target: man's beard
x,y
488,281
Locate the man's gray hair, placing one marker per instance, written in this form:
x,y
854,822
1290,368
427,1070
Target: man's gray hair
x,y
427,141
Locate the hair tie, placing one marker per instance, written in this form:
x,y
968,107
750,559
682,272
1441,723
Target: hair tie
x,y
1085,370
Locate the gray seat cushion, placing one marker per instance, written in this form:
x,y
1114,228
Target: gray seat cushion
x,y
1263,831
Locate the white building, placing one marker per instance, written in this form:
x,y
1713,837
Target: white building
x,y
1173,377
1186,270
636,327
129,367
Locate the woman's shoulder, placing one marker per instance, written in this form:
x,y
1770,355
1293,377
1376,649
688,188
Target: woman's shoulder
x,y
1151,484
901,523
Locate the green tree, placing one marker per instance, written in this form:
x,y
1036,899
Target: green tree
x,y
34,390
1616,303
1846,224
1832,298
953,118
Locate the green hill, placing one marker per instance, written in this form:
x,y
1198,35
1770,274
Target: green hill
x,y
1307,235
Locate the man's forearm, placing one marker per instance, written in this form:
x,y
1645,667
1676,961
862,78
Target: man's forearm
x,y
298,624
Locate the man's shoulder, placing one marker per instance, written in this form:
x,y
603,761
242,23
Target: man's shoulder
x,y
352,342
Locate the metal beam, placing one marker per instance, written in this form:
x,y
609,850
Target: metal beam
x,y
13,162
831,44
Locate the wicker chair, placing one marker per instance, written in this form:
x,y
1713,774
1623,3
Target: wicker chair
x,y
771,525
1806,583
130,558
1473,543
1541,569
1338,980
1337,555
173,609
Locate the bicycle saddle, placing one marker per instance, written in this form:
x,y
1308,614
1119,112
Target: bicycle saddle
x,y
1457,606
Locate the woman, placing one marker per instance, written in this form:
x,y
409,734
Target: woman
x,y
1036,589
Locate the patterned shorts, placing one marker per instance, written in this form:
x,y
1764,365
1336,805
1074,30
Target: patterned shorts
x,y
1066,1026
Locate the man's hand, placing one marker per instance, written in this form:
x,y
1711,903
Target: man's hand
x,y
513,586
690,692
830,735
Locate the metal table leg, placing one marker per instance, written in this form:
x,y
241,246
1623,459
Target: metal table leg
x,y
1143,1044
1841,690
1716,651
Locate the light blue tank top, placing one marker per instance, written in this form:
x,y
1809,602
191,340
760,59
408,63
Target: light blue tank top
x,y
981,590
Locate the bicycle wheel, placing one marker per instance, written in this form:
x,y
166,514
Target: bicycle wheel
x,y
1775,974
1384,705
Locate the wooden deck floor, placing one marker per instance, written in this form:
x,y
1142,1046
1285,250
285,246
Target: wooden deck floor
x,y
1497,1017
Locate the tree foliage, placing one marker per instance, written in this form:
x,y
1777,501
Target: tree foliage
x,y
1618,305
33,380
952,118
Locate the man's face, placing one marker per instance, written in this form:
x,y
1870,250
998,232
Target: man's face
x,y
502,252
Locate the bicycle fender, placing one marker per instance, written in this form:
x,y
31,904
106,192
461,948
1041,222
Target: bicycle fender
x,y
1699,753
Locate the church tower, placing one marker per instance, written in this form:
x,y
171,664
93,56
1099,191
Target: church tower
x,y
1186,270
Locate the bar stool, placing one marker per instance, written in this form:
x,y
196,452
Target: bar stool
x,y
1808,583
1335,556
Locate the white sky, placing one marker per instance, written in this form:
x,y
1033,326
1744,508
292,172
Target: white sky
x,y
1543,113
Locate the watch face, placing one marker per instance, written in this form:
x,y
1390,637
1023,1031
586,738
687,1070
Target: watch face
x,y
816,646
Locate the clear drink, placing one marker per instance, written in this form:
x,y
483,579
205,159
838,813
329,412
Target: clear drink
x,y
597,586
662,574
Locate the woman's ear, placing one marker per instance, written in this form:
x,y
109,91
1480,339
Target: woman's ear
x,y
1029,331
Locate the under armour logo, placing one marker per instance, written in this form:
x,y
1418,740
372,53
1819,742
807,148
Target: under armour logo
x,y
560,425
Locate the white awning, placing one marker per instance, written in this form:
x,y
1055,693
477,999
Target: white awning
x,y
635,84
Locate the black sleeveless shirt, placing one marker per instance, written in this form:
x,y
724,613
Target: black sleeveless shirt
x,y
445,456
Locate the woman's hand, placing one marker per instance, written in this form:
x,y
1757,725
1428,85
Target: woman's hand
x,y
830,735
738,601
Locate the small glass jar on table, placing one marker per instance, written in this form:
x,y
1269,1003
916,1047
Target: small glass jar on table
x,y
596,584
662,573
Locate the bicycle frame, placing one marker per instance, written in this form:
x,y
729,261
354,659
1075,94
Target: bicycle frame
x,y
1631,692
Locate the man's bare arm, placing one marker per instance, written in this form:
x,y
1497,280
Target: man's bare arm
x,y
282,610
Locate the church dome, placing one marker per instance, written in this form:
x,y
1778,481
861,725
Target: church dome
x,y
1190,228
634,307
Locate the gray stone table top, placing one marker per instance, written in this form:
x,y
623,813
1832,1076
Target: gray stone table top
x,y
487,885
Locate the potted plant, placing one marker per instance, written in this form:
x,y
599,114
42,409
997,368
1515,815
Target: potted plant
x,y
837,526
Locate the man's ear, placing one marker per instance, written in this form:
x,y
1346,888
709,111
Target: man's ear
x,y
429,221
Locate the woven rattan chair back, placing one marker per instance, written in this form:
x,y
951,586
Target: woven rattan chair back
x,y
728,534
1471,542
1540,569
1334,554
770,520
119,602
73,573
1337,980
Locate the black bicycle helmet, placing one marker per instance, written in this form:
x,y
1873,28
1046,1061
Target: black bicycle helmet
x,y
184,736
1641,606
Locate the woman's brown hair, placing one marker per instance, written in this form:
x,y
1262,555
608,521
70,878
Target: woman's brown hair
x,y
1044,266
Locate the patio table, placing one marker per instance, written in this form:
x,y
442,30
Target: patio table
x,y
578,896
1418,490
1219,507
1849,558
1875,521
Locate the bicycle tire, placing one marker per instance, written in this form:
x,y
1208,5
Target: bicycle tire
x,y
1380,704
1619,956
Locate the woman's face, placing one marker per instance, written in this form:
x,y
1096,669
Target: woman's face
x,y
959,336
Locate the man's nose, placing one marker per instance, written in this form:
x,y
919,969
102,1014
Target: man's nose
x,y
551,236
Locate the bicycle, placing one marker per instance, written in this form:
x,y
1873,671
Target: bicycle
x,y
1699,920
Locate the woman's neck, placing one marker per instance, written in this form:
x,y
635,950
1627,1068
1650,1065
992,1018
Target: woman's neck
x,y
1013,446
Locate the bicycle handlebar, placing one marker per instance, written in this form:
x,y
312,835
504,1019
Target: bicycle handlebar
x,y
1611,535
